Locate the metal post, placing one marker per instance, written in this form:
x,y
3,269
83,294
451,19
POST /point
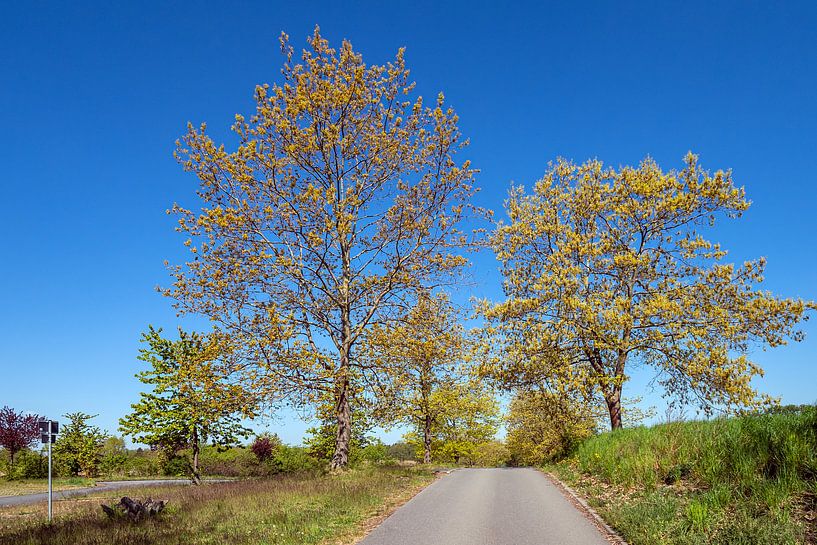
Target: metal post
x,y
49,470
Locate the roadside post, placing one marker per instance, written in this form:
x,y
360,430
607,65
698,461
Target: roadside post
x,y
48,434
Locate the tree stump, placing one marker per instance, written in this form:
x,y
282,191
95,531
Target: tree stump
x,y
134,509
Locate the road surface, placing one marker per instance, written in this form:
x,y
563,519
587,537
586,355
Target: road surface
x,y
488,507
27,499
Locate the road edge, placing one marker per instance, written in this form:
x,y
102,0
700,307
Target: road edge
x,y
387,509
609,533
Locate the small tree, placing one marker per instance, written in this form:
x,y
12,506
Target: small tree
x,y
193,399
417,355
544,427
79,448
17,431
471,418
605,269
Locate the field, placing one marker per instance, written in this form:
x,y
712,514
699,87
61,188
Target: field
x,y
291,509
747,480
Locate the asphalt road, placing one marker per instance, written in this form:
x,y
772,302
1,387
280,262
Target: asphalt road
x,y
488,507
27,499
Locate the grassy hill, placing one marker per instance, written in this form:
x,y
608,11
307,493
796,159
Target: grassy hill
x,y
751,479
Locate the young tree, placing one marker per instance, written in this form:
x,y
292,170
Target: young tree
x,y
193,399
543,426
17,431
342,196
79,446
470,419
605,269
417,356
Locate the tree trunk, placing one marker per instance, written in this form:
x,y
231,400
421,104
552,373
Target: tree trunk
x,y
427,440
613,399
343,411
343,414
196,479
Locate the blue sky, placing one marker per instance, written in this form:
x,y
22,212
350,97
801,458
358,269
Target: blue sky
x,y
94,96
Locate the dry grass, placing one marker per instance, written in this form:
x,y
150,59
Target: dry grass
x,y
36,486
285,510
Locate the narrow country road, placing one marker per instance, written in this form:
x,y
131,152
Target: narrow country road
x,y
488,507
26,499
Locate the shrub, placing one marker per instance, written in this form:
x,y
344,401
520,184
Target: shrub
x,y
492,454
292,459
29,464
376,452
403,451
264,446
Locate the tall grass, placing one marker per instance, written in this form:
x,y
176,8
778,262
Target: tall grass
x,y
284,510
751,479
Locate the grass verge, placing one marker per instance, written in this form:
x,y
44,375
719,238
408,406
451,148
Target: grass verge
x,y
36,486
295,509
748,480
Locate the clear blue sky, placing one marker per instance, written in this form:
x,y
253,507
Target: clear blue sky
x,y
92,99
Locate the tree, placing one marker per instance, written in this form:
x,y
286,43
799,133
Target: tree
x,y
193,399
79,447
265,446
605,269
321,439
341,196
470,419
544,427
417,355
17,431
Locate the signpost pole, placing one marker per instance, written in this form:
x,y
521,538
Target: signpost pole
x,y
49,470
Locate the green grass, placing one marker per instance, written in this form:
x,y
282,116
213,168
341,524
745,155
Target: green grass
x,y
35,486
284,510
751,480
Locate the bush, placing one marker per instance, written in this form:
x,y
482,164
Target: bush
x,y
232,462
141,464
292,459
29,464
175,466
492,454
265,446
403,451
376,452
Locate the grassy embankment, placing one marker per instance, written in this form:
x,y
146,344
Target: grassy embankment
x,y
748,480
292,509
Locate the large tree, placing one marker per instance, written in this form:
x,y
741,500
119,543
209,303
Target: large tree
x,y
417,356
17,431
194,396
606,269
342,195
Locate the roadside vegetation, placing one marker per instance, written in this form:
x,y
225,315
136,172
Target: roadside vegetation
x,y
745,480
288,509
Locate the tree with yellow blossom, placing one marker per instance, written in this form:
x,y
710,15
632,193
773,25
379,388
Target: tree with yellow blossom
x,y
343,194
605,269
